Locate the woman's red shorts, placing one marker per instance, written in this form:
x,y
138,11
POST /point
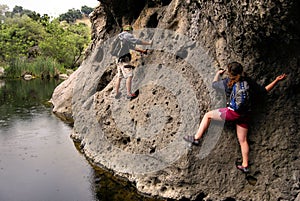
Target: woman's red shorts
x,y
228,114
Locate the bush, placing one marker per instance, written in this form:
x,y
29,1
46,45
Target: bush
x,y
39,67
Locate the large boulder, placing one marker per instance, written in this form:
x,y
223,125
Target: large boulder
x,y
62,98
141,139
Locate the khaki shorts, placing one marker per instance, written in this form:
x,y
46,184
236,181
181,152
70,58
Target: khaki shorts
x,y
123,70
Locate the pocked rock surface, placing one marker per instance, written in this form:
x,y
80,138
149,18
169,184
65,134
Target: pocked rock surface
x,y
141,139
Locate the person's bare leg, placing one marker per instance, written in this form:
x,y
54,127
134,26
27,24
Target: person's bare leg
x,y
128,85
242,137
205,122
118,85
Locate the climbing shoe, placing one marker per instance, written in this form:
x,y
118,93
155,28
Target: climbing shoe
x,y
191,139
131,96
118,95
243,169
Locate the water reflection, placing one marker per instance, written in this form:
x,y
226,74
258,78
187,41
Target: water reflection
x,y
38,160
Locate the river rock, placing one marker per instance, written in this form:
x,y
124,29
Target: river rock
x,y
141,139
27,77
63,76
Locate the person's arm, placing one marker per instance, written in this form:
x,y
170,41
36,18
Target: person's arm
x,y
143,43
217,76
140,50
270,86
218,84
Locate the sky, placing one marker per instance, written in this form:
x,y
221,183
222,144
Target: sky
x,y
53,7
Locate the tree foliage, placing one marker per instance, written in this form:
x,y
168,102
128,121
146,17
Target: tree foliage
x,y
26,34
18,35
86,10
3,10
71,16
65,42
74,14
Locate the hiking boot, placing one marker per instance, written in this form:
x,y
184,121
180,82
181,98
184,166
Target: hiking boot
x,y
191,139
243,169
131,96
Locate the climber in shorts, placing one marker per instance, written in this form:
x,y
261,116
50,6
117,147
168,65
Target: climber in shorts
x,y
125,69
241,118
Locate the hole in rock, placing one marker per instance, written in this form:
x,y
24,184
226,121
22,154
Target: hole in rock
x,y
105,79
126,140
152,150
107,123
163,188
170,119
251,180
153,21
166,2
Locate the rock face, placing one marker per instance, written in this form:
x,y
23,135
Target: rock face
x,y
142,139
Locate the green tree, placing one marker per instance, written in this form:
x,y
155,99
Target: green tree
x,y
65,42
3,11
17,10
71,16
18,35
26,38
86,10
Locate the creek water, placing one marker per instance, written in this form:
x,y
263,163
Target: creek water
x,y
38,159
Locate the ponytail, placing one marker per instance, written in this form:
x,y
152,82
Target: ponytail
x,y
233,80
235,70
